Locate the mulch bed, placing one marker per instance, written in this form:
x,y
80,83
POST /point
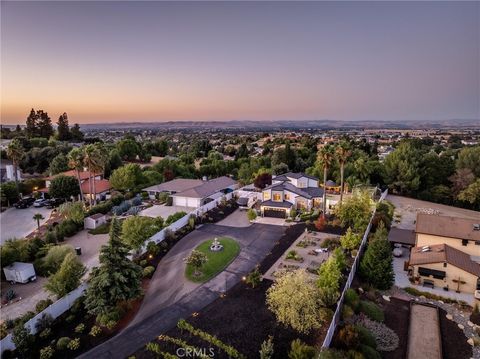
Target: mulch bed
x,y
218,213
454,342
397,317
241,319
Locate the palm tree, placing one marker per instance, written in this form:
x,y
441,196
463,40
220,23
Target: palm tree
x,y
38,217
90,161
15,152
102,157
75,162
343,153
325,156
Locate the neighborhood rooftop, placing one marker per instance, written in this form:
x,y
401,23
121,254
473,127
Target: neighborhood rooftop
x,y
447,226
443,253
207,188
176,185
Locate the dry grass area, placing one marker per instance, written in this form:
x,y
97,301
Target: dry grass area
x,y
406,211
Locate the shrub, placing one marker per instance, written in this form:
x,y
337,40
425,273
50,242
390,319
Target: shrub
x,y
347,312
369,352
70,318
266,349
254,278
23,339
320,223
330,354
385,338
148,271
366,337
330,243
300,350
62,343
55,257
42,305
136,201
143,263
95,331
352,299
43,322
10,295
376,267
50,237
152,248
74,344
80,328
47,352
350,240
45,333
371,310
348,337
3,330
174,217
251,214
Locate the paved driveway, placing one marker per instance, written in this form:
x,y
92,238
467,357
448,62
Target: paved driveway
x,y
164,211
236,219
171,297
17,223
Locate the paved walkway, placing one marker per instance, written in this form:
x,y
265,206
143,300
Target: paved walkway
x,y
424,340
171,297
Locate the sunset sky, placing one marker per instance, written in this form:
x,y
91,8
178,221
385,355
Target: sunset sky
x,y
159,61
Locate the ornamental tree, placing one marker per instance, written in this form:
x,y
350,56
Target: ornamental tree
x,y
197,259
67,278
350,240
295,301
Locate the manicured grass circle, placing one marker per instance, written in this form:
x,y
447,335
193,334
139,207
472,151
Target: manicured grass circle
x,y
217,261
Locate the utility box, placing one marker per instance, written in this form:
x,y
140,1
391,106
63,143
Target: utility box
x,y
19,272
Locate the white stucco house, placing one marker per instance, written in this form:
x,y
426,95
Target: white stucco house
x,y
193,192
290,190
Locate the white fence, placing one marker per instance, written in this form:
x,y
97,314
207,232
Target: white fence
x,y
182,222
63,304
356,262
54,310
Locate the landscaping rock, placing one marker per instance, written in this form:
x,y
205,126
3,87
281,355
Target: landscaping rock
x,y
449,317
461,326
470,341
386,298
470,323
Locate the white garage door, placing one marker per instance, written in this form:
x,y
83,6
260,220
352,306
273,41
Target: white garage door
x,y
192,202
180,201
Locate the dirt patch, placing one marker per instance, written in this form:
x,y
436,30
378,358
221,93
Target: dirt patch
x,y
454,342
241,320
397,314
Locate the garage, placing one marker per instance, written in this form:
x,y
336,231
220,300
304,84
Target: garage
x,y
275,212
186,202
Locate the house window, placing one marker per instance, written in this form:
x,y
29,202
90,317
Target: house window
x,y
427,272
445,264
477,243
287,196
277,197
464,242
266,196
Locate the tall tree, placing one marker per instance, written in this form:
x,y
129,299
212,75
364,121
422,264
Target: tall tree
x,y
403,169
325,155
376,266
45,128
90,160
37,217
68,276
63,129
31,128
343,153
64,187
75,162
76,133
58,165
15,152
116,280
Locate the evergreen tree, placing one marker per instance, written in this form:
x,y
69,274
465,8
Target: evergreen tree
x,y
117,279
67,278
58,165
376,266
63,129
75,133
403,169
45,128
31,129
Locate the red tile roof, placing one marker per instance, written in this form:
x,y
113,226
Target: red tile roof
x,y
72,173
100,186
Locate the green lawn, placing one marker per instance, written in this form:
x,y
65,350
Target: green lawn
x,y
217,261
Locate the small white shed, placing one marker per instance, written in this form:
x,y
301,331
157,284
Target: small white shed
x,y
94,221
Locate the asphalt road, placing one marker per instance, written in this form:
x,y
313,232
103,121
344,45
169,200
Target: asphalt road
x,y
17,223
171,296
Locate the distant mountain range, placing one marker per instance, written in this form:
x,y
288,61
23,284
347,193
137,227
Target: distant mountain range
x,y
284,124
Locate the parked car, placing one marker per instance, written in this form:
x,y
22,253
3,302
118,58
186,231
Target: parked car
x,y
55,202
25,202
40,202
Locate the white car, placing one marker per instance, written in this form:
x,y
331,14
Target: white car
x,y
40,202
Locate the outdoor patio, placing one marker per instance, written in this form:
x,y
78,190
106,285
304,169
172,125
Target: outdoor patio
x,y
308,255
402,281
